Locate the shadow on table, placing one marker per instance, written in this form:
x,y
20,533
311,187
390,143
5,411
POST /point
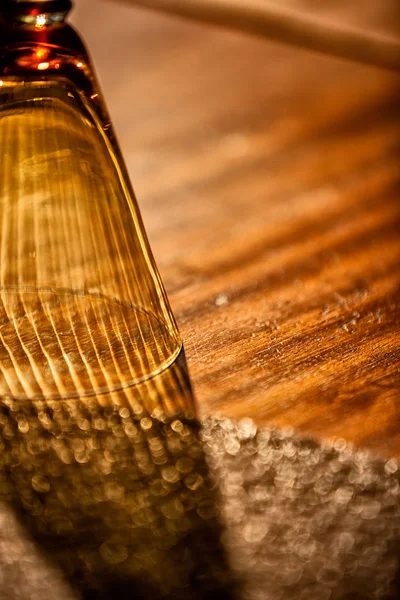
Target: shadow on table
x,y
115,491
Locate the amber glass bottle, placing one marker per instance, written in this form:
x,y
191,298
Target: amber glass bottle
x,y
82,307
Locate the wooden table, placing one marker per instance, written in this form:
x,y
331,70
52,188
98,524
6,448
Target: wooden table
x,y
268,179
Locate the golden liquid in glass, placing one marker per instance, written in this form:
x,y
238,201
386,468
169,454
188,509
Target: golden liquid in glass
x,y
81,306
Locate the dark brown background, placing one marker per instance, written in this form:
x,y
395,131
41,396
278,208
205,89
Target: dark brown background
x,y
268,178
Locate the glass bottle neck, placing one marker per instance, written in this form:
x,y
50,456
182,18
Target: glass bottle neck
x,y
37,14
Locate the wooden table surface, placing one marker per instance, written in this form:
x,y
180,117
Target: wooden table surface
x,y
268,179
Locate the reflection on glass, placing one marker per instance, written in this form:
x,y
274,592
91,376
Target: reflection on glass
x,y
81,307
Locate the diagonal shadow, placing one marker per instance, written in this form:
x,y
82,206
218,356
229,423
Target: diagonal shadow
x,y
115,491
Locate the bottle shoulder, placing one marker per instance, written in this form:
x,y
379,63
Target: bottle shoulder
x,y
62,36
59,54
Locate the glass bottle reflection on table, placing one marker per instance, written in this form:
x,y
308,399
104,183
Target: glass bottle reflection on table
x,y
115,490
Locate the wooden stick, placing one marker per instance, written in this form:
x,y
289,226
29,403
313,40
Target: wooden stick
x,y
260,18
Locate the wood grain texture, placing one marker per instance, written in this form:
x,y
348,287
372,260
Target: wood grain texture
x,y
268,179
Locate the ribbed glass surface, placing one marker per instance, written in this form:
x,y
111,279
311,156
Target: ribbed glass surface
x,y
82,308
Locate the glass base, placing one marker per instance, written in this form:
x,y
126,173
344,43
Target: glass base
x,y
62,344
